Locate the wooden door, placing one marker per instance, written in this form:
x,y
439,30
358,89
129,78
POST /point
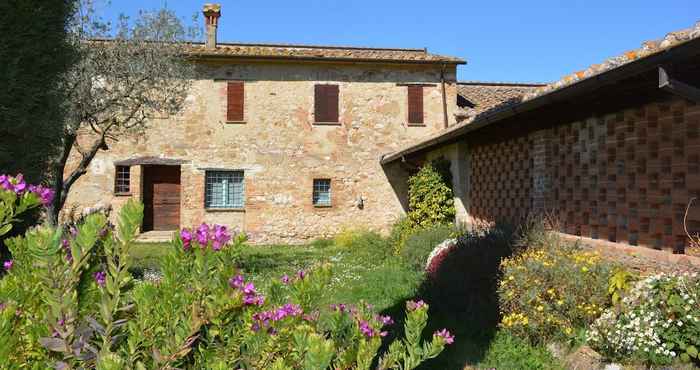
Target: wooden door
x,y
161,198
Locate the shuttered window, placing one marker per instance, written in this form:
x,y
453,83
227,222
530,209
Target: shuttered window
x,y
224,189
326,103
415,105
234,102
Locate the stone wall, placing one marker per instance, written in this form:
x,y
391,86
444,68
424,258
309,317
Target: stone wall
x,y
280,149
622,176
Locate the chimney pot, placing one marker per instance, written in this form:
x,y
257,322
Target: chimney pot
x,y
212,12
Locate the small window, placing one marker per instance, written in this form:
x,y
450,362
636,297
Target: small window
x,y
224,189
322,192
415,105
234,101
122,180
326,103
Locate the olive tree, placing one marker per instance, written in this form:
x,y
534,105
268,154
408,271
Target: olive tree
x,y
123,75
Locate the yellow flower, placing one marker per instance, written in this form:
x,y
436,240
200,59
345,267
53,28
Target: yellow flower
x,y
584,269
540,308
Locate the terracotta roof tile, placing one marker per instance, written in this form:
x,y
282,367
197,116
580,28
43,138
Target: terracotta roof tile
x,y
282,51
476,97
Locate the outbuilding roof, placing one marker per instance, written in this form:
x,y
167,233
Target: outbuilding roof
x,y
651,54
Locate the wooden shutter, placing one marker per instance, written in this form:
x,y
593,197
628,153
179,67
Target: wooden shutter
x,y
326,103
234,101
415,105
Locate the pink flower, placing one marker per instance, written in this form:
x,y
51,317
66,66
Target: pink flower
x,y
202,235
7,265
285,279
412,306
236,282
385,320
301,274
220,237
186,236
445,335
366,329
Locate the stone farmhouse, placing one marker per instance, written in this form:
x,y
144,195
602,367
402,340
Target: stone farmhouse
x,y
293,142
280,141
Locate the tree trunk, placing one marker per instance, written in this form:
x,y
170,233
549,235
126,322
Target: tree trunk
x,y
61,186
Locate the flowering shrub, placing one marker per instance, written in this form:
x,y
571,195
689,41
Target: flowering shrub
x,y
550,291
657,322
16,197
69,301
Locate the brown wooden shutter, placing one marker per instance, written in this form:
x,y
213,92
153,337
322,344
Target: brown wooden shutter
x,y
415,105
234,108
326,103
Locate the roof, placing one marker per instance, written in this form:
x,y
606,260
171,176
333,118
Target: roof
x,y
319,53
649,56
476,97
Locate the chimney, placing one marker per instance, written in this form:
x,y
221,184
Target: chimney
x,y
212,12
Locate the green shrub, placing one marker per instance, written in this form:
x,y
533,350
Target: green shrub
x,y
419,244
402,229
552,291
364,244
510,352
68,301
430,197
657,322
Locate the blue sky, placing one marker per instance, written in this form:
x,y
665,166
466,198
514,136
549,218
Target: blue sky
x,y
526,41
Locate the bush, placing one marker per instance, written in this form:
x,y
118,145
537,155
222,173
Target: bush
x,y
465,278
550,291
418,246
364,244
430,197
402,229
69,301
656,322
510,352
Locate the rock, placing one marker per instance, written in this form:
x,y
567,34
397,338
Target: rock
x,y
557,350
584,358
613,366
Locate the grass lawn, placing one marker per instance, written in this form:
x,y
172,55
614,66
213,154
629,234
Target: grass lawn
x,y
382,280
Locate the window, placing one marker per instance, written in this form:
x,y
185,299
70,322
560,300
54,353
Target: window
x,y
224,189
122,180
326,103
322,192
415,105
234,101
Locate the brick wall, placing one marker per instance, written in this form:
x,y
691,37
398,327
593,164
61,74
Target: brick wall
x,y
624,176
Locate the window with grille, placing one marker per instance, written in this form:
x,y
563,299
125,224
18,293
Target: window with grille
x,y
322,192
122,180
224,189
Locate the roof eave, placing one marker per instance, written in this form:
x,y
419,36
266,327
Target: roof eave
x,y
218,57
686,49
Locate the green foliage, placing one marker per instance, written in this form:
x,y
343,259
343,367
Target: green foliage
x,y
82,308
510,352
656,322
35,53
418,246
402,229
619,283
551,291
430,197
12,206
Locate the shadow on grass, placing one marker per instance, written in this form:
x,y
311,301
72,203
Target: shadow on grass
x,y
461,292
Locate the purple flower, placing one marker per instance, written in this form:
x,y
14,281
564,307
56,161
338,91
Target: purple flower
x,y
412,306
449,338
249,289
15,184
7,265
285,279
236,282
202,235
100,278
366,329
186,236
301,274
255,326
385,320
220,237
45,194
